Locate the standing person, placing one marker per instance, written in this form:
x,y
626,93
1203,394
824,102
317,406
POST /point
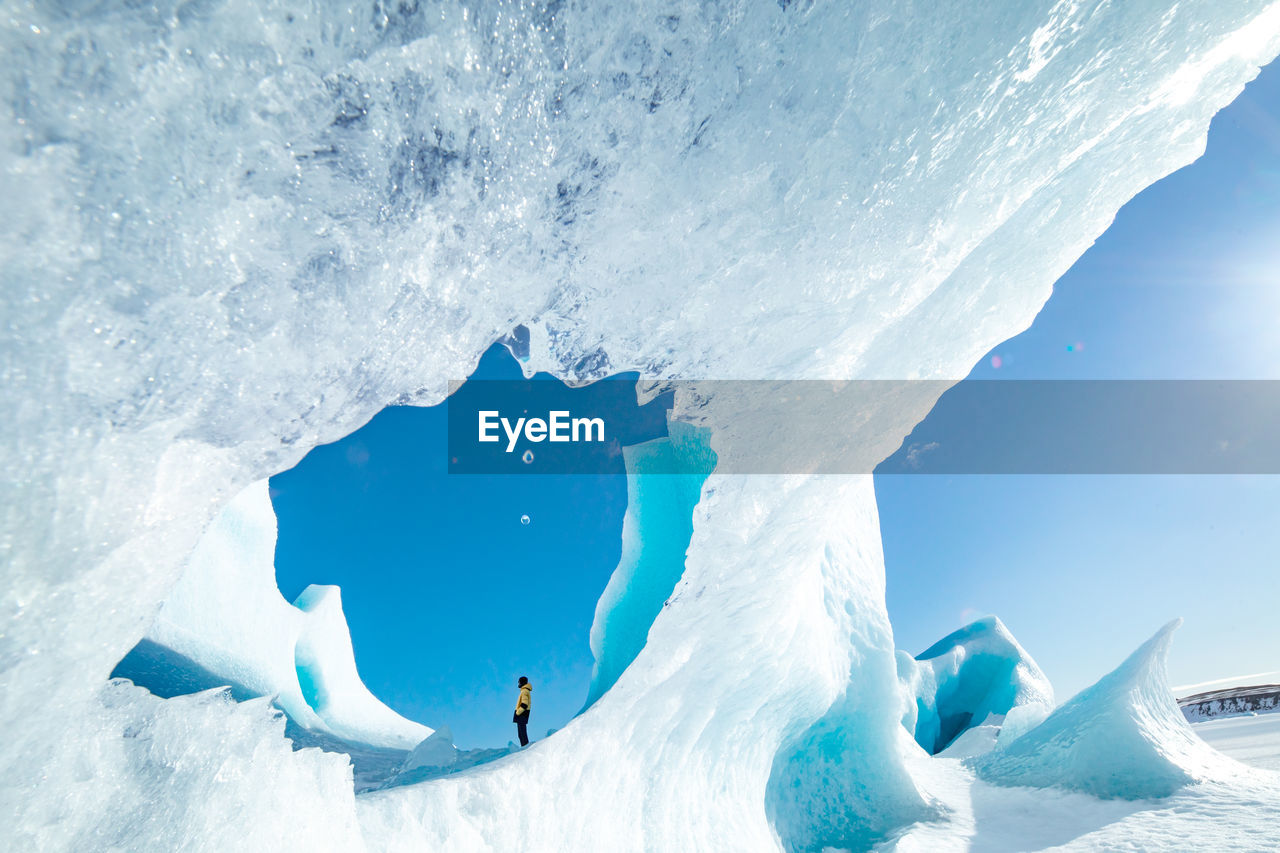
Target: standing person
x,y
521,718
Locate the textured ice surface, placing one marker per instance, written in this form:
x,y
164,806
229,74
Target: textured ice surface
x,y
714,703
436,751
661,505
201,767
969,675
226,617
371,766
233,230
1122,737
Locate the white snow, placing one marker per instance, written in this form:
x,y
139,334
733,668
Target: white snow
x,y
1251,739
235,230
986,818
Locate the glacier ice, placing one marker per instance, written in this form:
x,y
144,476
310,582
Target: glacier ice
x,y
977,672
1117,737
226,617
975,740
436,751
1020,720
660,504
234,230
1122,737
202,767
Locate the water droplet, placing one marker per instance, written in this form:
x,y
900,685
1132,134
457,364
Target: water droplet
x,y
528,457
524,519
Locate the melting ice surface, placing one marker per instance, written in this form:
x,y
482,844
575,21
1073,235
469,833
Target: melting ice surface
x,y
235,230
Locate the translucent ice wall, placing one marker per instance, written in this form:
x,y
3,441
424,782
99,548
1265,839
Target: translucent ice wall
x,y
655,534
233,230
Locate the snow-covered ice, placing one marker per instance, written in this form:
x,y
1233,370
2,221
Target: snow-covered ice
x,y
1122,737
1230,701
987,818
1116,767
235,230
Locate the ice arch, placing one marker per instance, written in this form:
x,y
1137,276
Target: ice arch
x,y
236,231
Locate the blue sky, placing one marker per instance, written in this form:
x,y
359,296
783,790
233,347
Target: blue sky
x,y
450,597
1185,284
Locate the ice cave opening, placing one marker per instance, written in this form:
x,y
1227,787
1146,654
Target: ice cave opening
x,y
239,231
420,589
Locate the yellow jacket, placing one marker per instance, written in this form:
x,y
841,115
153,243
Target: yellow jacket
x,y
523,704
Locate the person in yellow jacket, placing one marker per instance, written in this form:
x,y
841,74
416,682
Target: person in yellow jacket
x,y
521,718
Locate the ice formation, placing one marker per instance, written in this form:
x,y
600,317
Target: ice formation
x,y
974,673
1122,737
975,740
1020,720
660,504
436,751
226,617
234,230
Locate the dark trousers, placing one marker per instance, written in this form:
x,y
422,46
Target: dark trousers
x,y
522,722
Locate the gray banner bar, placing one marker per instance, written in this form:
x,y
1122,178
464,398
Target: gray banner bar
x,y
888,426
